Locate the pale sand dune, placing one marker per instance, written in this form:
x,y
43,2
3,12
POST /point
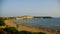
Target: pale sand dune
x,y
26,27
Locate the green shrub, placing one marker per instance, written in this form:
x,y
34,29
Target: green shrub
x,y
2,22
34,33
25,32
41,33
12,30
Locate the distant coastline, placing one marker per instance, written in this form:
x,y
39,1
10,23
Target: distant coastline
x,y
26,17
42,17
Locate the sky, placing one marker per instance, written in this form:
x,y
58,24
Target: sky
x,y
29,7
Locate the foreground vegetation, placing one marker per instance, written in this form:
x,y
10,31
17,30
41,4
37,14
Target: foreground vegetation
x,y
12,30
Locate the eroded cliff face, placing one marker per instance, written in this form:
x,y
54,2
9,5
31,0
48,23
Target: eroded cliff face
x,y
22,27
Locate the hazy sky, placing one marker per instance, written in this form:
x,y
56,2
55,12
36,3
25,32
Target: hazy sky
x,y
30,7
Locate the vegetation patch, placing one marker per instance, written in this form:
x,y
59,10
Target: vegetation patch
x,y
13,30
2,22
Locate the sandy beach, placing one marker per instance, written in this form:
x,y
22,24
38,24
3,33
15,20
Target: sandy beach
x,y
26,27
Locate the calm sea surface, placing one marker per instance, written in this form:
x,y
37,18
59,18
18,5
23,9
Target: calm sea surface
x,y
47,22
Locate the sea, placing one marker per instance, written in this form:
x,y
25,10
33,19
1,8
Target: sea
x,y
53,23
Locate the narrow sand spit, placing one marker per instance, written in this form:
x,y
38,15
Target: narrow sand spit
x,y
26,27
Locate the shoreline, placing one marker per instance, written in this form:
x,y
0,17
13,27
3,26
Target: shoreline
x,y
29,28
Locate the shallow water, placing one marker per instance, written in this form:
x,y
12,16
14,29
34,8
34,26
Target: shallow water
x,y
47,22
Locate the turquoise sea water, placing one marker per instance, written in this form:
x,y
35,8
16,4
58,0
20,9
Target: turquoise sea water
x,y
47,22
